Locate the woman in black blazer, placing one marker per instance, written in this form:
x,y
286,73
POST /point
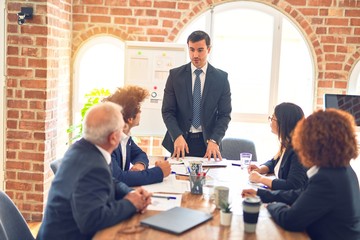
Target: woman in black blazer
x,y
290,174
329,207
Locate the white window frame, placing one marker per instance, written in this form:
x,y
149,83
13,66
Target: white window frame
x,y
250,118
354,80
76,105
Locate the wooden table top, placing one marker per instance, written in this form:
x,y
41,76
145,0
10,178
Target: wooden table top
x,y
231,176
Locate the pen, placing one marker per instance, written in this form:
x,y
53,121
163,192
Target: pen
x,y
264,186
236,164
173,172
203,174
167,197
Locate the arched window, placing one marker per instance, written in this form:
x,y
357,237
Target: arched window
x,y
354,82
268,62
99,64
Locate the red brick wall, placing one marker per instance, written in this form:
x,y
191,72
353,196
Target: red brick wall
x,y
41,53
332,28
37,100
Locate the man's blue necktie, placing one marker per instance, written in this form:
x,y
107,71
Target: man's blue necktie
x,y
197,99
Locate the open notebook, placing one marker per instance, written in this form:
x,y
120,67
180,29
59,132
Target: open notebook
x,y
176,220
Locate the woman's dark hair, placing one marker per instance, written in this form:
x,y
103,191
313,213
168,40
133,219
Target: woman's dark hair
x,y
287,116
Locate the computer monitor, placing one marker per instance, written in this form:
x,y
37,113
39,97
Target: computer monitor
x,y
349,103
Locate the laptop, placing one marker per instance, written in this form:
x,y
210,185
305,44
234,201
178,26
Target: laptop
x,y
176,220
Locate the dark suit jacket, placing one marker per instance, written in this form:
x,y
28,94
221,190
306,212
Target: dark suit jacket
x,y
284,196
329,207
83,197
134,154
177,105
292,174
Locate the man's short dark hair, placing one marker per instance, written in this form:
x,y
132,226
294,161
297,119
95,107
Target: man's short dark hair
x,y
198,36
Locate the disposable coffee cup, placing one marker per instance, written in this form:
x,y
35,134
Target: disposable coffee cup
x,y
251,208
221,195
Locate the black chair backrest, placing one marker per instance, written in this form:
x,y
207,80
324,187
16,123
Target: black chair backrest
x,y
55,164
232,147
12,223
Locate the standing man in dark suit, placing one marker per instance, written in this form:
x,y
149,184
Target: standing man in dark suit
x,y
197,104
83,197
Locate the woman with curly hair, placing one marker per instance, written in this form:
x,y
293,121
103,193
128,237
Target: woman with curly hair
x,y
290,174
329,207
128,162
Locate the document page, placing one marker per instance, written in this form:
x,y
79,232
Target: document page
x,y
169,185
163,202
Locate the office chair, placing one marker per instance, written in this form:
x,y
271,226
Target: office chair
x,y
12,223
232,147
55,164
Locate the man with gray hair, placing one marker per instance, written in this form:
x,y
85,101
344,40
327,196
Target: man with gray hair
x,y
83,197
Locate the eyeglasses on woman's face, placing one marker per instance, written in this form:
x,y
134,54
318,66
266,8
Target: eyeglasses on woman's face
x,y
272,118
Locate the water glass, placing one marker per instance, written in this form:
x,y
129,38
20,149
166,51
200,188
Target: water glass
x,y
245,159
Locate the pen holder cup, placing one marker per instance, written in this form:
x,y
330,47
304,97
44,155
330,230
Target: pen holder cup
x,y
196,184
195,167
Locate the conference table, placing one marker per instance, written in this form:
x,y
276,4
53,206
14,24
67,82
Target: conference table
x,y
230,176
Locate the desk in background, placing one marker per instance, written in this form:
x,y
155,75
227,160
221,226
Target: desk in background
x,y
230,176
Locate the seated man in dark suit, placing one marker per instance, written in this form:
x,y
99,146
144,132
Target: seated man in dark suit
x,y
129,162
83,197
328,208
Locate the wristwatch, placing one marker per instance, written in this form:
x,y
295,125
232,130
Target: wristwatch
x,y
211,140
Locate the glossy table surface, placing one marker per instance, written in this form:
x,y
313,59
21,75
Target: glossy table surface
x,y
231,176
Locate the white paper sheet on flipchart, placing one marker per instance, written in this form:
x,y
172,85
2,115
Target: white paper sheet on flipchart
x,y
163,204
169,185
205,162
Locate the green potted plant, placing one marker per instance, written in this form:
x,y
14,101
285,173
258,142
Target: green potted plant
x,y
93,97
225,214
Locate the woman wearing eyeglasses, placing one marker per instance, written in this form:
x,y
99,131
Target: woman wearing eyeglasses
x,y
285,165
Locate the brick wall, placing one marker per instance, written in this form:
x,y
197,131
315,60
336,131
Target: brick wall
x,y
41,53
37,100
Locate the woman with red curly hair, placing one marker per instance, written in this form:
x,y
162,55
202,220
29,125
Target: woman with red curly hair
x,y
329,207
128,162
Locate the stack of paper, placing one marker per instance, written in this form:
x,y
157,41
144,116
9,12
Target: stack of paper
x,y
205,162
